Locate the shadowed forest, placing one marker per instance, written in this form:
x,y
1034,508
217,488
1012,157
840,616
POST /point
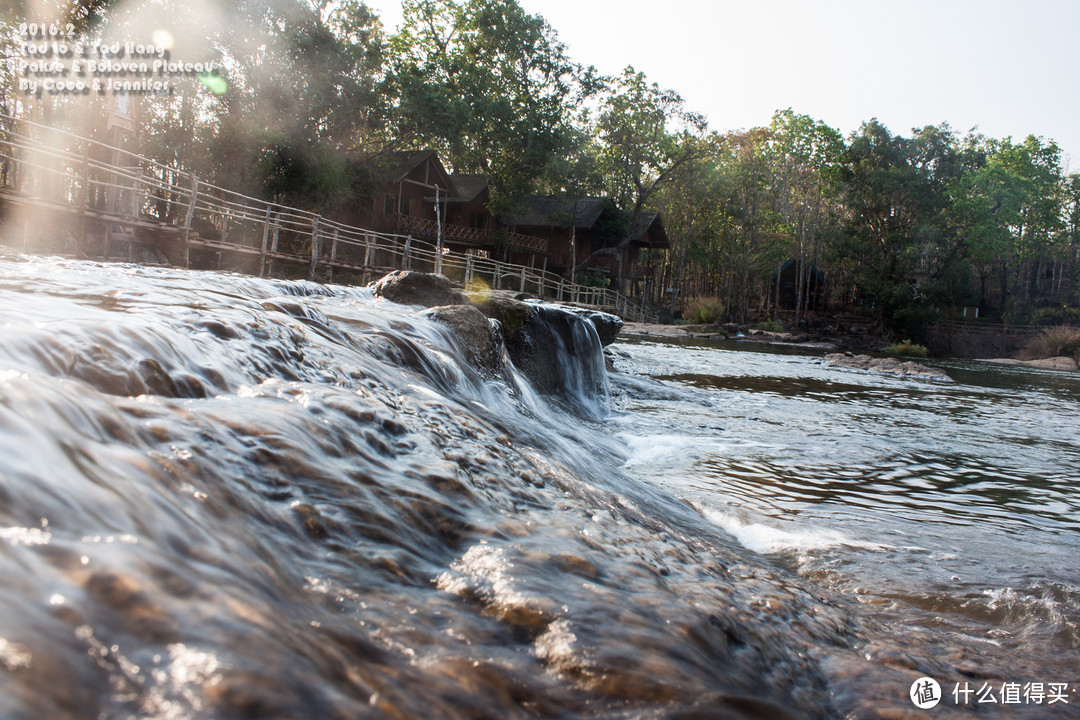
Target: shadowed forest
x,y
310,100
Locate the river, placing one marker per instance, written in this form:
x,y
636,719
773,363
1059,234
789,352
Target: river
x,y
230,497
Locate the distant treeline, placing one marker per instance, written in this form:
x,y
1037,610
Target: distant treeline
x,y
312,97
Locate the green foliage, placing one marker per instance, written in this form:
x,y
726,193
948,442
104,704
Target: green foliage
x,y
488,85
903,227
644,133
1055,341
906,348
704,311
593,278
771,325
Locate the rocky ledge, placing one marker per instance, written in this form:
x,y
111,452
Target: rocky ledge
x,y
540,338
887,366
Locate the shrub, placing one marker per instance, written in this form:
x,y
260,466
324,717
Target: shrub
x,y
906,347
704,311
771,325
1060,315
1054,341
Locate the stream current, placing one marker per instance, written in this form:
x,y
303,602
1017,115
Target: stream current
x,y
229,497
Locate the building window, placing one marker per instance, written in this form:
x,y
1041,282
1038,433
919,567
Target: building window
x,y
390,204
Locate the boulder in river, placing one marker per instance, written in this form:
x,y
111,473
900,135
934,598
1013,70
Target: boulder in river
x,y
558,347
483,346
887,366
416,288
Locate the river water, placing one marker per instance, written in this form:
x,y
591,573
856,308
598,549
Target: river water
x,y
229,497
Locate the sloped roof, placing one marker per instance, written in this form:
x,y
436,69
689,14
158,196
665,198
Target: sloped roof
x,y
467,187
403,162
539,211
647,220
790,264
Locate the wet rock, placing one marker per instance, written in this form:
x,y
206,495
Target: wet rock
x,y
473,330
886,366
553,349
512,314
1066,364
416,288
607,325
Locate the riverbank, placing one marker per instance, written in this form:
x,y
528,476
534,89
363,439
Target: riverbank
x,y
1062,363
859,341
856,340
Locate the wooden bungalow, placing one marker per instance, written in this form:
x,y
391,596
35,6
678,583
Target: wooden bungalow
x,y
785,282
406,202
575,230
419,198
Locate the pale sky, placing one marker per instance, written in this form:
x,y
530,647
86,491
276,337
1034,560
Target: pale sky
x,y
1010,67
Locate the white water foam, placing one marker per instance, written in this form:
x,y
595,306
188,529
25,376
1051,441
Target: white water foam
x,y
768,539
648,449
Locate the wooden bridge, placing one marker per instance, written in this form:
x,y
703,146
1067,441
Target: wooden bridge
x,y
65,193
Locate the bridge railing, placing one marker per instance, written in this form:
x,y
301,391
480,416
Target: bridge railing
x,y
52,168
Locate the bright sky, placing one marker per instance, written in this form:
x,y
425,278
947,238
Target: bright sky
x,y
1007,66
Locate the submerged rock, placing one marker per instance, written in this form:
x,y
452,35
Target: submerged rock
x,y
416,288
888,366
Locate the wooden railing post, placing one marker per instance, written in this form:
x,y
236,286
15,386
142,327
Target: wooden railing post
x,y
265,239
522,279
468,270
314,245
405,255
188,217
84,198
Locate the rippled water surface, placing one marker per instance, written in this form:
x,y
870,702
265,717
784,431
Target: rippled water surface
x,y
238,498
952,506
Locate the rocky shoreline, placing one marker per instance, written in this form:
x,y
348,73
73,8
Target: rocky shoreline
x,y
1062,363
847,342
856,344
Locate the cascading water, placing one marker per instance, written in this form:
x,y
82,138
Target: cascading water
x,y
229,497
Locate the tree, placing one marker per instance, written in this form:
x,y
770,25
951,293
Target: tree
x,y
694,217
890,216
804,154
643,136
490,87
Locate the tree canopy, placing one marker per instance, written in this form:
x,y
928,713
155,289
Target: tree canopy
x,y
903,227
